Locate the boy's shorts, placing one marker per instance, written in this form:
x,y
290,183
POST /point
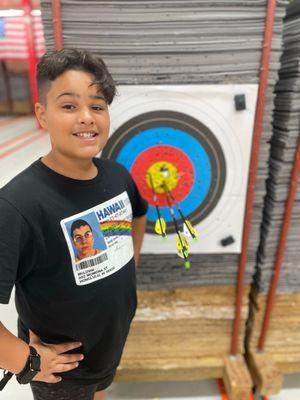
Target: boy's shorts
x,y
61,391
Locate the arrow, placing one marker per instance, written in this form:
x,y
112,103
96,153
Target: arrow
x,y
160,227
160,224
182,245
188,228
181,241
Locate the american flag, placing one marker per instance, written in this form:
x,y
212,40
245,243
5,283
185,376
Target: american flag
x,y
13,42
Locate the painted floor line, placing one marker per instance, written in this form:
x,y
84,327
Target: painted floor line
x,y
21,145
16,139
13,120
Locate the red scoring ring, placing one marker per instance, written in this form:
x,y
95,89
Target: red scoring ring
x,y
169,154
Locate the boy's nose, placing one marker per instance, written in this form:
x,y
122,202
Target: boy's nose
x,y
86,118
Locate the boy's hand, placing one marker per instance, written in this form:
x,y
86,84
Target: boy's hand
x,y
53,359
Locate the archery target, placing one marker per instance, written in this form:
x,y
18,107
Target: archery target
x,y
196,136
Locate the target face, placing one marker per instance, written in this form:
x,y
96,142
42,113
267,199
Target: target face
x,y
188,149
192,138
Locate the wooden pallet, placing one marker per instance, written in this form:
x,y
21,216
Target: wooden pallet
x,y
281,353
181,334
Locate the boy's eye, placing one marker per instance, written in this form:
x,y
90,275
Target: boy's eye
x,y
68,106
97,108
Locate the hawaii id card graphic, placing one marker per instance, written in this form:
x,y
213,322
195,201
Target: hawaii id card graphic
x,y
99,239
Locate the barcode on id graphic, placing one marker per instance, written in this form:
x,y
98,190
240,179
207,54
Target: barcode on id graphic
x,y
91,263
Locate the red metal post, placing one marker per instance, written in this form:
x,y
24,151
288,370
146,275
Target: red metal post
x,y
32,60
222,389
57,24
258,124
223,393
281,247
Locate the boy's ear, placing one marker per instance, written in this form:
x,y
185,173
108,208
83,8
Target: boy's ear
x,y
40,110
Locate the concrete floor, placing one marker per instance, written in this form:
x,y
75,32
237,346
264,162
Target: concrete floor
x,y
20,145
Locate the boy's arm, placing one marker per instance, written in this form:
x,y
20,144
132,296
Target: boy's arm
x,y
15,236
13,351
14,354
138,231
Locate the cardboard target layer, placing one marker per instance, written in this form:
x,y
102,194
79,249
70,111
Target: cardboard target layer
x,y
205,143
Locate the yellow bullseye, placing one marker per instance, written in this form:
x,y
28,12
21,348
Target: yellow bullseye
x,y
162,171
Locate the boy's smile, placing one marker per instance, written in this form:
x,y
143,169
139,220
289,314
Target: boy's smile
x,y
76,116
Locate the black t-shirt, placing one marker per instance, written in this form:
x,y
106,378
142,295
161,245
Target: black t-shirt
x,y
66,244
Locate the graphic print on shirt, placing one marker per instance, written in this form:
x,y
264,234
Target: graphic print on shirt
x,y
99,239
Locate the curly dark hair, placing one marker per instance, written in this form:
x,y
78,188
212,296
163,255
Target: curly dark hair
x,y
55,62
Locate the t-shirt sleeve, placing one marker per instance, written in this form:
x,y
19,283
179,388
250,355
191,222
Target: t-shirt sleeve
x,y
139,205
14,233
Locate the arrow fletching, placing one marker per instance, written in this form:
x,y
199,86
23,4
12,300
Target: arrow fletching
x,y
182,246
189,230
160,227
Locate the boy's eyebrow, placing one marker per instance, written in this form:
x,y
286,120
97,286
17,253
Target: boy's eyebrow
x,y
67,94
94,97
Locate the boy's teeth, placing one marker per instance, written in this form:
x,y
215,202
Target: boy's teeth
x,y
85,135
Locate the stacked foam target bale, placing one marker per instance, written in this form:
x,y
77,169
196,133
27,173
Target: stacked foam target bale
x,y
5,107
283,337
167,42
19,87
14,88
15,94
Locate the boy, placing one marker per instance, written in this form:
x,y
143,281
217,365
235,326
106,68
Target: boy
x,y
75,314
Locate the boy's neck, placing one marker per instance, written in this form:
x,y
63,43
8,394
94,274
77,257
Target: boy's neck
x,y
75,169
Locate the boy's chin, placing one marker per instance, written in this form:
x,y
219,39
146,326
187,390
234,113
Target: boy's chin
x,y
87,154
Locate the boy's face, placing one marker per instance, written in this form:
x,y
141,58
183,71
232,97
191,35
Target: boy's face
x,y
76,116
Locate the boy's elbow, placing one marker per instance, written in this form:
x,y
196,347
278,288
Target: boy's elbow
x,y
139,222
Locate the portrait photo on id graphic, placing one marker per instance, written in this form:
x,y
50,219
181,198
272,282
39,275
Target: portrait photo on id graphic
x,y
85,236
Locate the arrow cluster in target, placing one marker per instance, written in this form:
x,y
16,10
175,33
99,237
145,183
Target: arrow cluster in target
x,y
188,231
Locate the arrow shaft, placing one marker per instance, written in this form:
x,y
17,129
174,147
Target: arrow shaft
x,y
156,204
159,218
175,221
170,196
158,211
154,195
